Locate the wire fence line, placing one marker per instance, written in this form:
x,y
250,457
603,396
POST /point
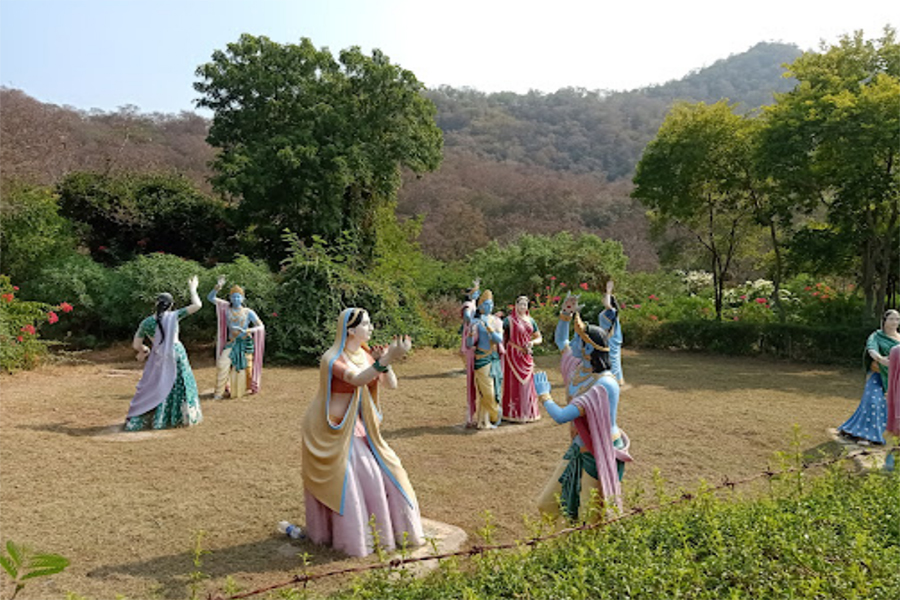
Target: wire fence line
x,y
480,550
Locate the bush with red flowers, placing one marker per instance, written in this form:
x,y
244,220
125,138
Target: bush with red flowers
x,y
20,344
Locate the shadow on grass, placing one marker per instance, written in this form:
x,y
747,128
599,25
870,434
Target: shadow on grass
x,y
66,429
275,555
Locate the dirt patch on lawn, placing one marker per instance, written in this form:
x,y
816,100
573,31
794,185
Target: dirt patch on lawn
x,y
125,508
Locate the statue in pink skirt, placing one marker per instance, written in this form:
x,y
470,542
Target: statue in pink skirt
x,y
350,474
521,334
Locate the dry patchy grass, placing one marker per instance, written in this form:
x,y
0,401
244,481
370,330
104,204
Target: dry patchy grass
x,y
125,509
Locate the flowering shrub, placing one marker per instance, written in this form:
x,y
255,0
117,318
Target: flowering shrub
x,y
20,320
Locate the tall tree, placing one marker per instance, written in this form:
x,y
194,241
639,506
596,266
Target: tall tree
x,y
313,143
831,146
693,176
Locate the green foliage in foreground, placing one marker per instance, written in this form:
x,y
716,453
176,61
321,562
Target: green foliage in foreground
x,y
836,536
20,563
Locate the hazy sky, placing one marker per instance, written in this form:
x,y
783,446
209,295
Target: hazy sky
x,y
108,53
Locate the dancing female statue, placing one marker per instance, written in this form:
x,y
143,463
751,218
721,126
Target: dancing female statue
x,y
521,334
486,338
871,417
350,474
598,452
240,344
609,322
166,395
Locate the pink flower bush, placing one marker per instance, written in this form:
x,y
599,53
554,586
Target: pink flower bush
x,y
52,317
760,300
583,286
653,297
29,329
66,307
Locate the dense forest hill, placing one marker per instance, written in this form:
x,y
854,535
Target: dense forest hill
x,y
584,131
514,163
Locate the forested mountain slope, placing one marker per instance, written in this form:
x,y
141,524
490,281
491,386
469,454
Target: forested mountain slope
x,y
513,163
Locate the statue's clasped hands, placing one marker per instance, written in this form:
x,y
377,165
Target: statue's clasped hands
x,y
398,348
570,305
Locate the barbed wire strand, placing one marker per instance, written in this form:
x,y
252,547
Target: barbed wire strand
x,y
477,550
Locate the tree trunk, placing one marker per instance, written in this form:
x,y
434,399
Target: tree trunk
x,y
776,276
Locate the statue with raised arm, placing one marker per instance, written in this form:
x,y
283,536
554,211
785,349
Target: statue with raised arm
x,y
166,395
352,479
596,457
240,344
521,335
486,339
609,322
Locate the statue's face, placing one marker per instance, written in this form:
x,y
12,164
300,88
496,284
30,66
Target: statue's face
x,y
236,300
363,331
522,306
487,307
892,320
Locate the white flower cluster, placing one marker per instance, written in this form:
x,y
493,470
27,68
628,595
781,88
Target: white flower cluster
x,y
695,281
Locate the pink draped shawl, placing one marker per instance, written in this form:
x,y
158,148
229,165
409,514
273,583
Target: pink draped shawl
x,y
893,392
469,356
595,430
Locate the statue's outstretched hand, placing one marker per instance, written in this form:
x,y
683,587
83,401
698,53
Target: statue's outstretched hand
x,y
541,385
570,304
193,283
398,348
221,281
609,287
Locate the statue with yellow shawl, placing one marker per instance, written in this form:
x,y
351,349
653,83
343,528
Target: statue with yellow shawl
x,y
240,344
350,474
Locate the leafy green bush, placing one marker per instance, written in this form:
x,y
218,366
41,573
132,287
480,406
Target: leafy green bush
x,y
32,233
85,283
836,345
21,346
318,281
133,287
834,536
525,266
120,216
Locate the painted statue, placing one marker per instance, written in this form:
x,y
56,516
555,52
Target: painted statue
x,y
350,474
468,312
166,395
596,457
520,335
870,420
609,322
240,344
486,339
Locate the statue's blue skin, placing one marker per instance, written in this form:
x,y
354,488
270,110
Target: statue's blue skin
x,y
237,300
485,340
469,314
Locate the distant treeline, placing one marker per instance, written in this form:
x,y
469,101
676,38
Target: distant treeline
x,y
514,163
